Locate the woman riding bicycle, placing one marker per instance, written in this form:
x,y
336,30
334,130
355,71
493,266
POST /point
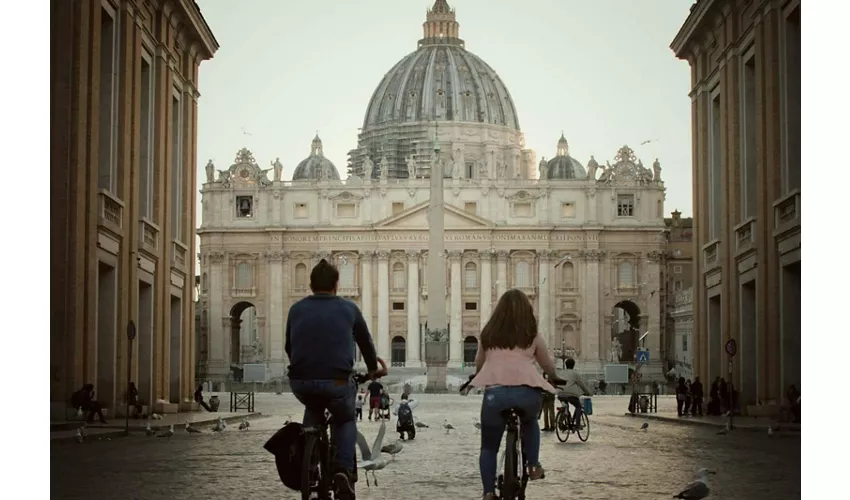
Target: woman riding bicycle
x,y
505,367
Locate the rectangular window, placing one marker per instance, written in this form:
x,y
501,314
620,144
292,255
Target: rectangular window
x,y
107,101
748,137
398,306
471,207
522,210
177,211
398,207
301,211
470,306
792,101
146,154
677,269
470,171
714,167
677,285
684,343
625,205
346,210
244,207
568,210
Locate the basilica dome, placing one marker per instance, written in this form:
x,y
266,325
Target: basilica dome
x,y
441,80
563,166
315,166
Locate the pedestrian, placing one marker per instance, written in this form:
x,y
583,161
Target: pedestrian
x,y
358,407
724,396
696,394
548,409
681,394
199,398
688,398
84,400
133,400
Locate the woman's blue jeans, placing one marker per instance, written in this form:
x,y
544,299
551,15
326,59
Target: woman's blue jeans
x,y
496,400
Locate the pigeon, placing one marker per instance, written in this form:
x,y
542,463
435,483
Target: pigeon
x,y
770,432
699,488
421,425
645,426
82,430
156,416
148,431
476,424
393,448
373,460
447,426
80,437
219,425
192,429
243,426
79,413
168,433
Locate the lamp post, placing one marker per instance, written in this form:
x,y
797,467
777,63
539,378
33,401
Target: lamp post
x,y
131,335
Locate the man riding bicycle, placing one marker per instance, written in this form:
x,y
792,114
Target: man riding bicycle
x,y
573,390
321,330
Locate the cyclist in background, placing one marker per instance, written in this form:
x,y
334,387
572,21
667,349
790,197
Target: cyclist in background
x,y
573,390
321,331
505,367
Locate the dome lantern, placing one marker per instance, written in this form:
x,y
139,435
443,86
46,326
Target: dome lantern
x,y
440,26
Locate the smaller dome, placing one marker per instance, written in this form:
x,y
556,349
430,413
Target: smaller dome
x,y
312,167
563,166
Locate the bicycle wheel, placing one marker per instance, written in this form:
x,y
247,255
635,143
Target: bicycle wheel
x,y
309,466
584,431
510,480
562,426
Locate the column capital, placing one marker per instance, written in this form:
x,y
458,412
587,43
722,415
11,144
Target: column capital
x,y
217,257
455,255
655,256
413,255
275,256
544,255
486,255
367,255
382,256
502,254
592,255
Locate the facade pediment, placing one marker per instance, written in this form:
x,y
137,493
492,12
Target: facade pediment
x,y
416,217
522,195
345,196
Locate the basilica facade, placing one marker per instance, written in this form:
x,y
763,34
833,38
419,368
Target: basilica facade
x,y
585,243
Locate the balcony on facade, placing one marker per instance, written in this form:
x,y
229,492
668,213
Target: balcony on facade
x,y
711,255
786,212
745,234
110,212
148,236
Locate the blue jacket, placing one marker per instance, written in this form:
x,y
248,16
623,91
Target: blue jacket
x,y
320,334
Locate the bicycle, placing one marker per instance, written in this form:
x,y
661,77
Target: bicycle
x,y
319,449
511,484
565,422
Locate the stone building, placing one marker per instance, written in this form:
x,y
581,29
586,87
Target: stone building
x,y
681,335
677,276
123,103
745,73
580,241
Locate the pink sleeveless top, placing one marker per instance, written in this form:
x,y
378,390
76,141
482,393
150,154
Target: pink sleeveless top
x,y
514,367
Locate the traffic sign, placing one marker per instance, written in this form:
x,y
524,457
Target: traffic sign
x,y
731,347
131,330
642,355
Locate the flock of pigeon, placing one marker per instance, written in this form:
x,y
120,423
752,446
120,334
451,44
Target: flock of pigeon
x,y
219,426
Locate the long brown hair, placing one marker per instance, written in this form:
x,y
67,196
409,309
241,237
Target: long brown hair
x,y
512,323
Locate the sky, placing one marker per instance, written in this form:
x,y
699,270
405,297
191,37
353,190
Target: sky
x,y
601,71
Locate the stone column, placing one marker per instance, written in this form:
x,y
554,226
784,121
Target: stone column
x,y
275,354
383,343
652,298
484,260
590,327
366,292
286,294
543,296
413,308
218,316
502,273
456,322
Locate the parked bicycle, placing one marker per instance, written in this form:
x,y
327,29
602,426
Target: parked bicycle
x,y
565,422
320,449
511,484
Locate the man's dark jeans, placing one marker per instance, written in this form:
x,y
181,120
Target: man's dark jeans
x,y
337,396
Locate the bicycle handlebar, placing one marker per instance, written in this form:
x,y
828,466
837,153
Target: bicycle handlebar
x,y
466,384
361,378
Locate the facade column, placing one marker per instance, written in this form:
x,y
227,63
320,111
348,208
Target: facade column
x,y
590,332
484,259
383,344
653,312
366,295
217,362
413,308
455,323
286,297
502,273
543,296
275,332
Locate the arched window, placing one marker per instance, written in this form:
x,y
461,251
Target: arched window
x,y
470,276
568,275
470,350
569,338
346,274
521,277
626,274
301,275
398,277
398,353
244,277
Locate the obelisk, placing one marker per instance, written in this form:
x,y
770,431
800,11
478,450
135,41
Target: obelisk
x,y
436,332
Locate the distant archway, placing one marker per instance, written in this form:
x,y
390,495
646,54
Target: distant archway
x,y
237,315
625,328
398,353
470,350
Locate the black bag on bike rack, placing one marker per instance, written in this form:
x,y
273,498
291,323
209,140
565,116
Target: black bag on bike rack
x,y
287,446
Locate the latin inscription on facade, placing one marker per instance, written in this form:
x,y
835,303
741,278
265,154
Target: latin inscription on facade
x,y
423,237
